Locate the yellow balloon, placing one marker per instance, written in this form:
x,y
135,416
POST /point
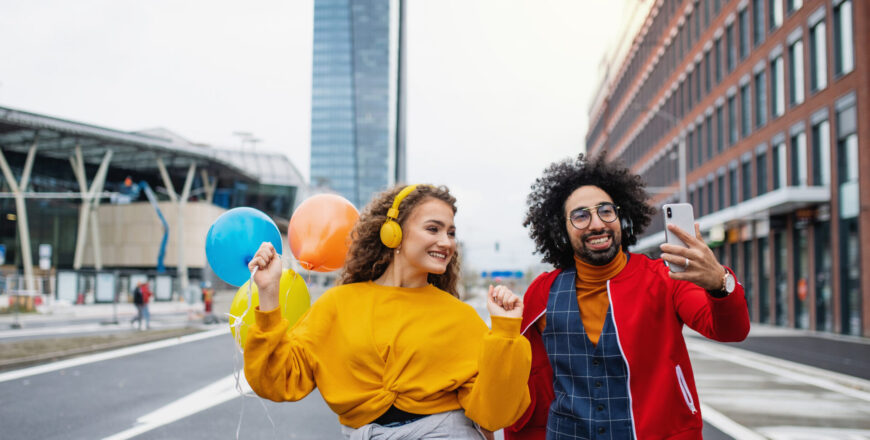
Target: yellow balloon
x,y
293,299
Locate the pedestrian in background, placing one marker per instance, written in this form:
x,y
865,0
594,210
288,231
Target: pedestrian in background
x,y
141,298
606,327
392,349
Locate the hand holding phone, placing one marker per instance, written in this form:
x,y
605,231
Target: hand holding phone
x,y
682,216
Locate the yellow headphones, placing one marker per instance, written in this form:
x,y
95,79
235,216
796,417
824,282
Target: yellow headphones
x,y
391,232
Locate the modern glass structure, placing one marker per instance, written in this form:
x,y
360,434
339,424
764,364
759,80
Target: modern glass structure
x,y
354,105
770,130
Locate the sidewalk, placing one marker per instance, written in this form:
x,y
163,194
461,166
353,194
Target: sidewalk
x,y
63,312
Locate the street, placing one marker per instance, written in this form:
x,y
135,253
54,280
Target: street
x,y
186,387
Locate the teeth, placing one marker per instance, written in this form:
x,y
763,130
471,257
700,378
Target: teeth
x,y
599,240
438,255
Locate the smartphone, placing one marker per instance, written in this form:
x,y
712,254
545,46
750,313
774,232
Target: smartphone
x,y
681,215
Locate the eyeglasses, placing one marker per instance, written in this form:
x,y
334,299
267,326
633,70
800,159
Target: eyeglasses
x,y
581,217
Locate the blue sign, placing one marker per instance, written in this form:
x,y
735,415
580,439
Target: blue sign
x,y
2,254
502,274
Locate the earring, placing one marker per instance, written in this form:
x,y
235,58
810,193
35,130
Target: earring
x,y
397,250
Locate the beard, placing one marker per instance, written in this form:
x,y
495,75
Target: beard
x,y
597,257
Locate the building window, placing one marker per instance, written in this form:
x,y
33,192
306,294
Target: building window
x,y
796,72
780,172
777,87
720,130
698,82
746,172
708,83
689,90
760,99
710,197
761,172
847,152
780,267
850,251
745,110
844,58
706,13
801,272
699,145
757,22
822,154
743,21
717,55
818,57
799,159
690,150
732,120
763,280
732,186
775,8
720,184
708,127
793,5
730,48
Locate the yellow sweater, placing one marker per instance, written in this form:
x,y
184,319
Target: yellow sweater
x,y
367,347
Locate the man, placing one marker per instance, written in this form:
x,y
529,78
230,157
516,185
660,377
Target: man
x,y
608,356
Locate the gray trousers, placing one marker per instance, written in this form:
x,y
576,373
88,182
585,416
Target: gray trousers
x,y
446,425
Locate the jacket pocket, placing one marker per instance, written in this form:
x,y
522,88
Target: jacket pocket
x,y
687,393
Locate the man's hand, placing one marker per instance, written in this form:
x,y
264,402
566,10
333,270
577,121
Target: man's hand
x,y
268,276
500,301
701,266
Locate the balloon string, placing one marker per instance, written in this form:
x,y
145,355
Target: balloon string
x,y
238,363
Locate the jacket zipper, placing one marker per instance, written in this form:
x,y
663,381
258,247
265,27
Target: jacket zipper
x,y
684,387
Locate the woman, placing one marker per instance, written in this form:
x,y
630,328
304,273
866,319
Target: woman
x,y
392,349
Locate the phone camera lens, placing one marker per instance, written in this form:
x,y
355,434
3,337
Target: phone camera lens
x,y
669,212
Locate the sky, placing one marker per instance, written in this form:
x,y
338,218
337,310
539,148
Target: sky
x,y
497,89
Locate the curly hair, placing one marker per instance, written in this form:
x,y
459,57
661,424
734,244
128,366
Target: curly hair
x,y
546,203
368,258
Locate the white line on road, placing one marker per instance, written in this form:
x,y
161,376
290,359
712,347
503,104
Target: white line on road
x,y
728,426
772,366
211,395
127,351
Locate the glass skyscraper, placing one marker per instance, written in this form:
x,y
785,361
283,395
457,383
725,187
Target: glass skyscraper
x,y
354,147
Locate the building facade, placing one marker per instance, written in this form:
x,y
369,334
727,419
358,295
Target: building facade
x,y
762,101
354,101
82,202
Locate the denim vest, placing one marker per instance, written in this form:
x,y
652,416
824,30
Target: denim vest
x,y
590,382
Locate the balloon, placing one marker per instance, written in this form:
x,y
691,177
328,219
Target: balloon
x,y
293,299
234,238
319,232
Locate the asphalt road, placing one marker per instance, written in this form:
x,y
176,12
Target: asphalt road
x,y
114,396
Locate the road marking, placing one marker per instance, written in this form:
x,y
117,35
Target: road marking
x,y
211,395
777,367
728,426
126,351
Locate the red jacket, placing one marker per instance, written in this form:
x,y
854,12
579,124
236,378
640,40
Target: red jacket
x,y
649,310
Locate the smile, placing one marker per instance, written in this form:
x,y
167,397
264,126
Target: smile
x,y
599,242
438,255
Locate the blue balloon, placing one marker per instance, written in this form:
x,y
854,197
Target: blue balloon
x,y
234,238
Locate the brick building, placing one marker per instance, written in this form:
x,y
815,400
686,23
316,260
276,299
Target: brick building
x,y
767,102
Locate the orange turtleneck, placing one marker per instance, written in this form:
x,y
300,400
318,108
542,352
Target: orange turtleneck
x,y
592,297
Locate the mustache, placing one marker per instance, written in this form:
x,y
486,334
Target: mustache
x,y
594,233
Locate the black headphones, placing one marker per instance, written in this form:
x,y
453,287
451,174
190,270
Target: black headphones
x,y
627,227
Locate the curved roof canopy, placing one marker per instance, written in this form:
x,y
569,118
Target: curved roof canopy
x,y
138,151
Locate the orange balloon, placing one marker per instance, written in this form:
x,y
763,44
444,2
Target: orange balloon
x,y
319,232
